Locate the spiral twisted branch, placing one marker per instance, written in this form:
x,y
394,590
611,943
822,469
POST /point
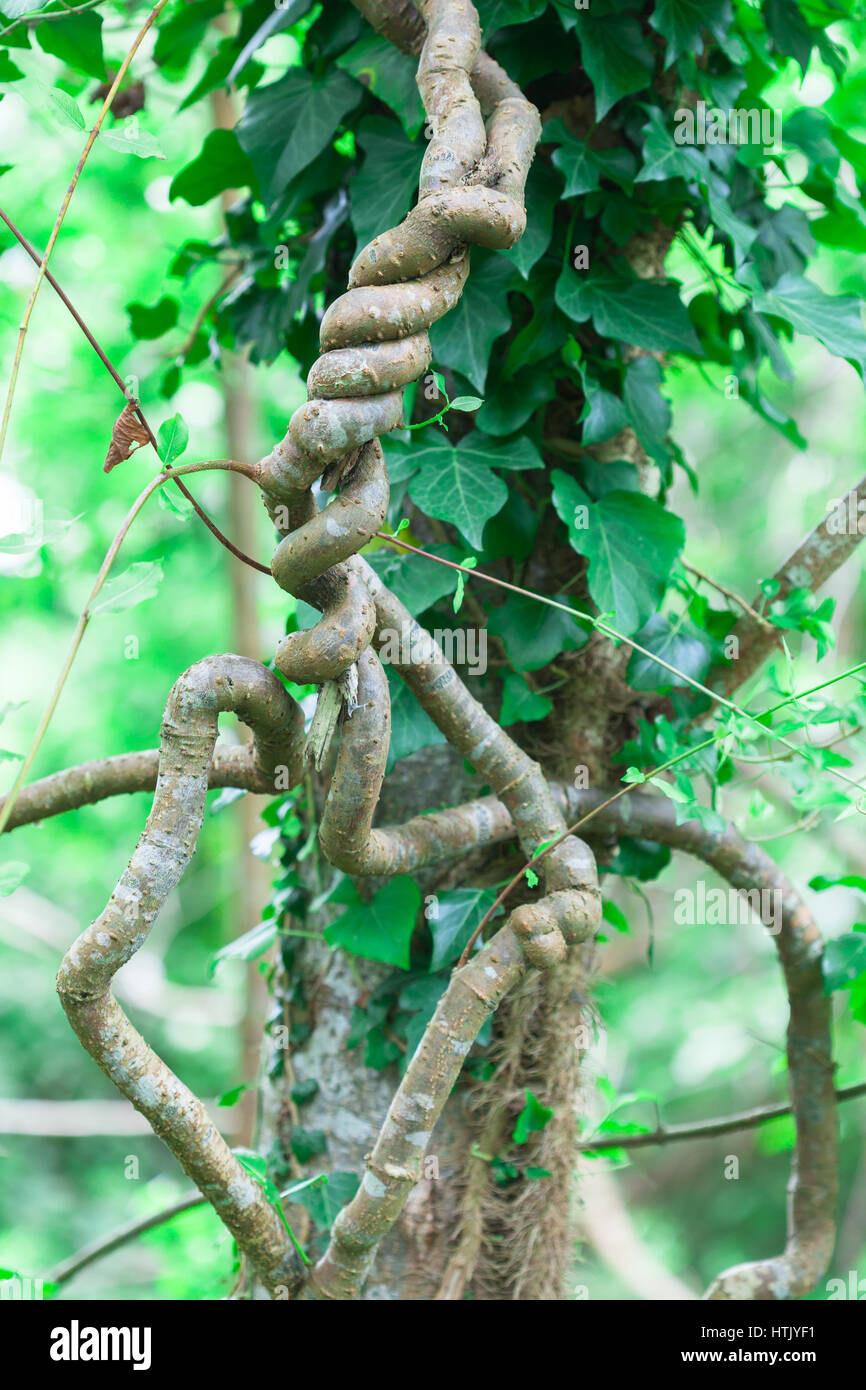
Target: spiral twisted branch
x,y
374,341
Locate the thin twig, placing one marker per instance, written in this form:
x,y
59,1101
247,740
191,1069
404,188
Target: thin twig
x,y
67,1269
609,631
55,231
648,776
729,593
113,372
249,470
225,284
41,15
705,1129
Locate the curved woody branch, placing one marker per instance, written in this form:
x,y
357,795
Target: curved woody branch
x,y
166,846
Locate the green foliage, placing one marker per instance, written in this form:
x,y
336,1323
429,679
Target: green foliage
x,y
732,264
533,1118
382,929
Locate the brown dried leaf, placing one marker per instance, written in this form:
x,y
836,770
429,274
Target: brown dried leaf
x,y
126,102
127,434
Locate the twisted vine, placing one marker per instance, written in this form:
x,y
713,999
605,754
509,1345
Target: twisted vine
x,y
374,342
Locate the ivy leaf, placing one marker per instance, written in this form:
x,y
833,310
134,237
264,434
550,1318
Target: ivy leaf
x,y
333,216
630,542
533,633
680,643
137,584
498,14
288,123
172,438
680,22
148,321
382,189
416,584
459,487
411,726
12,876
641,312
463,338
663,158
606,415
249,946
457,914
542,197
790,33
67,111
835,320
220,164
616,58
844,960
131,141
532,1119
381,930
77,42
497,453
390,76
583,167
288,13
648,411
324,1201
520,704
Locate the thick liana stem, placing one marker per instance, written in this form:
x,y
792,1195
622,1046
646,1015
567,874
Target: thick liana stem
x,y
166,846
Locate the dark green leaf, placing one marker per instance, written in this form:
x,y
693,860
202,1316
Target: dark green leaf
x,y
533,633
457,485
616,58
520,704
835,320
630,543
411,727
532,1119
383,188
288,123
220,164
844,960
648,411
681,23
462,340
151,321
680,643
388,74
380,930
644,313
457,914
